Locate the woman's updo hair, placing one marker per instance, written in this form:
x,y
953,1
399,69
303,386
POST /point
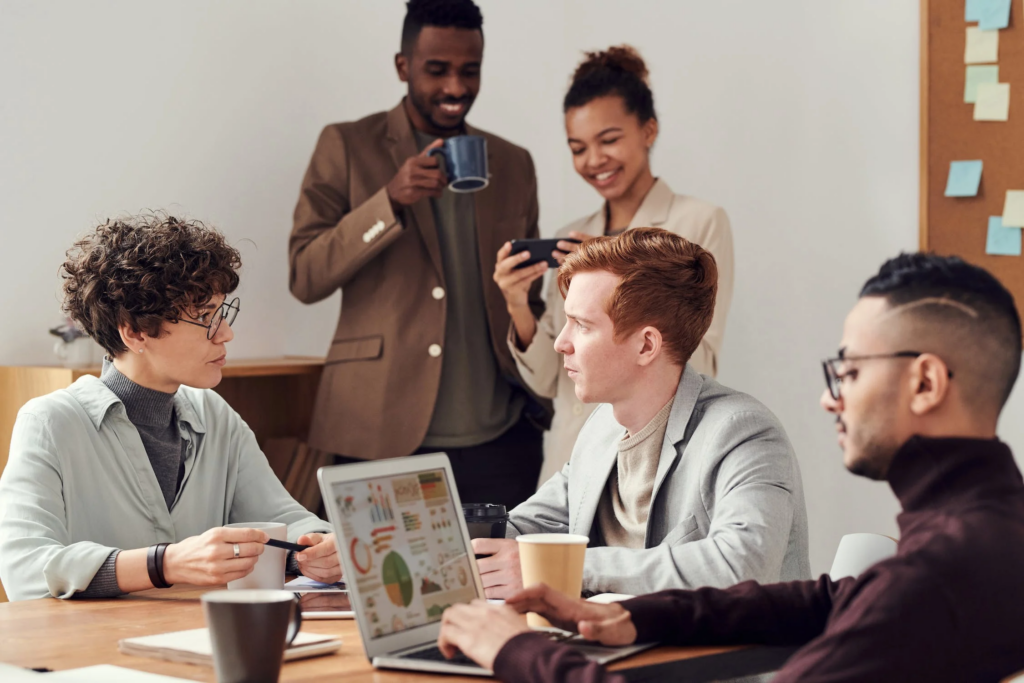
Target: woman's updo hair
x,y
620,71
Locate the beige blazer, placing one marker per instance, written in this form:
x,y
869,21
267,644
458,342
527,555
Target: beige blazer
x,y
541,367
383,369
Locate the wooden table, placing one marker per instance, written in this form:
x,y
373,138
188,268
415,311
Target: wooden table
x,y
66,634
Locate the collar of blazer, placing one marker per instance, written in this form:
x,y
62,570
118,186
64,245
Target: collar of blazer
x,y
652,213
403,146
690,385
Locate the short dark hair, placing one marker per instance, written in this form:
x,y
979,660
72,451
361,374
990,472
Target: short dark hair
x,y
917,277
441,13
666,281
616,71
144,270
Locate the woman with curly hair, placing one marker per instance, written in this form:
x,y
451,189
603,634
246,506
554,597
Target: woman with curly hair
x,y
611,127
125,482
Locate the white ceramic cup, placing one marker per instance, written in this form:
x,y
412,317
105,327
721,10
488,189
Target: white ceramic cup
x,y
269,570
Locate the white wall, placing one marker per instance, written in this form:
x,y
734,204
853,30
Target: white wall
x,y
799,117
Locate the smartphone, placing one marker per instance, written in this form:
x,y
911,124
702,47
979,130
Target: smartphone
x,y
321,605
540,250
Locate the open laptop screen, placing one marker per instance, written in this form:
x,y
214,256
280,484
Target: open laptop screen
x,y
402,536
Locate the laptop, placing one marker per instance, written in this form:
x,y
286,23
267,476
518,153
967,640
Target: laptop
x,y
405,550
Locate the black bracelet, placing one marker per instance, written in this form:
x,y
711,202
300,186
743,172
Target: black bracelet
x,y
155,565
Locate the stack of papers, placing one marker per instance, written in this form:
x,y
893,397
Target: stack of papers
x,y
194,646
102,673
304,584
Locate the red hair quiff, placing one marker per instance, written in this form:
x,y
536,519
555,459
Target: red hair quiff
x,y
666,282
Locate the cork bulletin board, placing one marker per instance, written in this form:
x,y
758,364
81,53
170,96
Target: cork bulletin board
x,y
959,225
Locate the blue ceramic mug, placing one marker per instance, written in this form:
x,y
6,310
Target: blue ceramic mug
x,y
465,162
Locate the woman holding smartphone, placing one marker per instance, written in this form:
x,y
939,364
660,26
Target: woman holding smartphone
x,y
611,127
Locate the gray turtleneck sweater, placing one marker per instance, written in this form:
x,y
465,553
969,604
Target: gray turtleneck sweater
x,y
152,413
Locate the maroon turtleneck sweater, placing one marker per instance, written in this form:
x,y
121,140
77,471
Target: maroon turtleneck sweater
x,y
948,607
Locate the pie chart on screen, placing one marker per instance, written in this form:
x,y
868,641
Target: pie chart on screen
x,y
397,580
361,557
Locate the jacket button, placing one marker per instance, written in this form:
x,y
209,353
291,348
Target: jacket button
x,y
437,293
434,350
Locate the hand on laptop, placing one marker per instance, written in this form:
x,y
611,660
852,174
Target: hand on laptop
x,y
500,572
607,624
320,562
479,630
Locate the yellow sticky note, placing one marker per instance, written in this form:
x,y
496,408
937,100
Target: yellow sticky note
x,y
982,46
993,102
1013,209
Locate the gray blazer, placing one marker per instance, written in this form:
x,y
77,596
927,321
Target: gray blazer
x,y
727,505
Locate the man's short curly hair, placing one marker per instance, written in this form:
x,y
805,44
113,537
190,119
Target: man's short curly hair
x,y
143,270
462,14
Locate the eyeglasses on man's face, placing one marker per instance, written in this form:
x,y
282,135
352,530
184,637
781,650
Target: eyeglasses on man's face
x,y
226,311
834,378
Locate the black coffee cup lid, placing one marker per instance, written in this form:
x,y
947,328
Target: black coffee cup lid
x,y
483,510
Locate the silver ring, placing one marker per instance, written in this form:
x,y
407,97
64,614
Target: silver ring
x,y
238,551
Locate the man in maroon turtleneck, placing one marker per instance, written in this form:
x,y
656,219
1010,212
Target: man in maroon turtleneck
x,y
929,355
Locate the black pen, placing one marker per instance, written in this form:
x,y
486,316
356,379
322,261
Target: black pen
x,y
288,546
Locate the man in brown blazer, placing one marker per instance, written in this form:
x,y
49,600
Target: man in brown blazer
x,y
419,361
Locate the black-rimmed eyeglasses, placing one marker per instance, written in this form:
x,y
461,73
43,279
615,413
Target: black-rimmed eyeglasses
x,y
227,311
834,378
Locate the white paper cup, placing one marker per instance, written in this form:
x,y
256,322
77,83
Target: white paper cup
x,y
269,570
555,560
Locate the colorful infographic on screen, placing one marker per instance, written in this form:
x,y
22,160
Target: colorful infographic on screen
x,y
403,539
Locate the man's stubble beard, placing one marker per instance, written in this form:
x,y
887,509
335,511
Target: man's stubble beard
x,y
878,448
423,106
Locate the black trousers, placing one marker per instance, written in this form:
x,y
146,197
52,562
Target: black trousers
x,y
503,471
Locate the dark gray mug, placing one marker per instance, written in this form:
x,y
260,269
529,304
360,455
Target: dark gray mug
x,y
249,631
465,162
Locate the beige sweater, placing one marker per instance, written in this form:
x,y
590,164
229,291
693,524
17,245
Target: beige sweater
x,y
622,512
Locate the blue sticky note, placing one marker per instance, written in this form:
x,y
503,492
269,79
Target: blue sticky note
x,y
993,14
1002,241
972,10
964,179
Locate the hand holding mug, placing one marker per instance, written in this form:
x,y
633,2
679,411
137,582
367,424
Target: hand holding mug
x,y
420,176
210,559
500,573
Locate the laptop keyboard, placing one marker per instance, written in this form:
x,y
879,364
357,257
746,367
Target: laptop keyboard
x,y
432,654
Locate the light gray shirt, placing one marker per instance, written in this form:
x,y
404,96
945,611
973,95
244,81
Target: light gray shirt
x,y
79,485
727,504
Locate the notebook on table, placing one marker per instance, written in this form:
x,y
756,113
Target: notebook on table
x,y
406,554
194,646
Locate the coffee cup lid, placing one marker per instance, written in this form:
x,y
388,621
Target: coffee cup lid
x,y
483,510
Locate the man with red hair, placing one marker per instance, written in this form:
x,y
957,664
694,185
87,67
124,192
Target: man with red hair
x,y
678,481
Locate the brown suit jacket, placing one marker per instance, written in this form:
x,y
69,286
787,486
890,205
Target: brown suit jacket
x,y
381,376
